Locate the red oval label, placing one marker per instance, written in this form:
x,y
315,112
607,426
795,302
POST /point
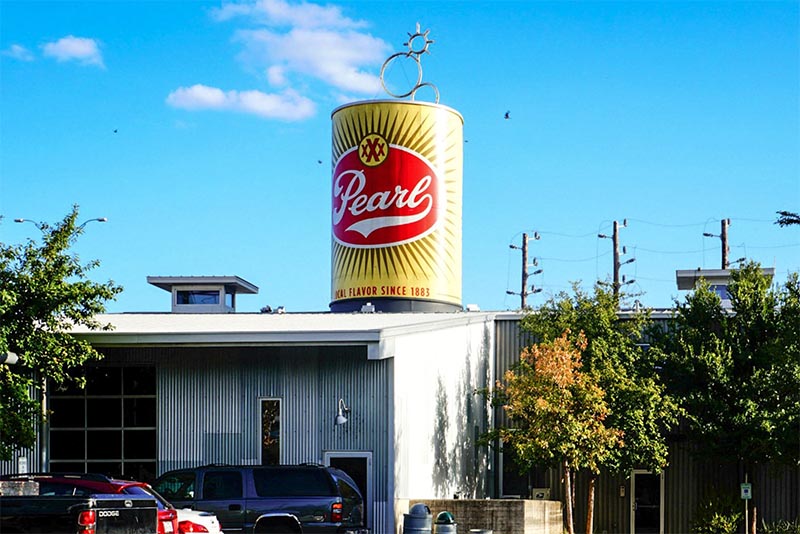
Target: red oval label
x,y
394,202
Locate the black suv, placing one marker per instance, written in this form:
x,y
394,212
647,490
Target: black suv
x,y
306,498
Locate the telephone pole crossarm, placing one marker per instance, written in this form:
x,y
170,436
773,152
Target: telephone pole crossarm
x,y
524,292
617,284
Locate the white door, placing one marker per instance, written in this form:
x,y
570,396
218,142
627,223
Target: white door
x,y
647,502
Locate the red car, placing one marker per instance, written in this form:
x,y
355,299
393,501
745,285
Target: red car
x,y
90,483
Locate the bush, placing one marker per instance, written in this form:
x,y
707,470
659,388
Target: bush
x,y
717,514
781,527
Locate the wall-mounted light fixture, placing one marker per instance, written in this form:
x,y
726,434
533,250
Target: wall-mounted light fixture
x,y
340,413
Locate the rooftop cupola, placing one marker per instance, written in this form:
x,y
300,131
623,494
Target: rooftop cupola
x,y
203,294
718,280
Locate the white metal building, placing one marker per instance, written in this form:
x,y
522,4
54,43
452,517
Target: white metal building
x,y
185,389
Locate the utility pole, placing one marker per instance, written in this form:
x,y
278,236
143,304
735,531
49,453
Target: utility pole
x,y
617,284
723,236
523,293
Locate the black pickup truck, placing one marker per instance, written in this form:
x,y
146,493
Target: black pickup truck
x,y
30,508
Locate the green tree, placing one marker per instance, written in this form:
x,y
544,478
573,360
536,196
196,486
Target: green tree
x,y
616,357
737,371
44,292
557,411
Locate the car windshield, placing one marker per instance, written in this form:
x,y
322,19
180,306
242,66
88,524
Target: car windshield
x,y
161,502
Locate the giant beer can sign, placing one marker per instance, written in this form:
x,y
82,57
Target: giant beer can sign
x,y
396,206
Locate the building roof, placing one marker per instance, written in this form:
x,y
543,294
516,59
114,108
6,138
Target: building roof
x,y
376,330
234,284
687,279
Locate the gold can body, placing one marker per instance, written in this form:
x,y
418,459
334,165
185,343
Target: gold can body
x,y
396,206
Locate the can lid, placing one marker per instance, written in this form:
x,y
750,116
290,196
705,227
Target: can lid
x,y
420,509
445,518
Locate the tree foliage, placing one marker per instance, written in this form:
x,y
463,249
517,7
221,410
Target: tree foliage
x,y
616,355
737,371
557,411
787,218
44,292
637,410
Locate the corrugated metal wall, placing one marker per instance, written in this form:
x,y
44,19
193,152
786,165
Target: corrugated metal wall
x,y
29,460
687,480
510,340
209,405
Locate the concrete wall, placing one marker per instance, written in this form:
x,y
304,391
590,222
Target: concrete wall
x,y
501,516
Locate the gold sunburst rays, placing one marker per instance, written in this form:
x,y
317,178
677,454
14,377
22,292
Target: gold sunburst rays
x,y
433,261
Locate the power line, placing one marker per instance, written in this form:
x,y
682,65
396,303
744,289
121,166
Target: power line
x,y
570,260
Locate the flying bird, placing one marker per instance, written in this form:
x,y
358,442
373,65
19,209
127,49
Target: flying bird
x,y
115,130
507,115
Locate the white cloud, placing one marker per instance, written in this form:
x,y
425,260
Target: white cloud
x,y
287,105
302,48
84,50
336,58
282,13
276,75
18,52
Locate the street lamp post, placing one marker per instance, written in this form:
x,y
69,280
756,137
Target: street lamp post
x,y
11,358
97,219
39,226
79,227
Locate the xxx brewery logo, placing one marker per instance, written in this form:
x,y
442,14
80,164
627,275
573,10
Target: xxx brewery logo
x,y
383,195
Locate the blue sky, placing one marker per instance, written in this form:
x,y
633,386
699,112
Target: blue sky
x,y
672,115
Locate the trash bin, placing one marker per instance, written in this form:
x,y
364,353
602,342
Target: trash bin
x,y
418,520
445,524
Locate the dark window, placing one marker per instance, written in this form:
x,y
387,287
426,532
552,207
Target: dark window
x,y
140,381
270,432
177,486
140,412
221,485
110,469
104,413
68,467
110,427
67,388
104,381
103,444
141,471
140,443
67,413
197,297
292,482
67,444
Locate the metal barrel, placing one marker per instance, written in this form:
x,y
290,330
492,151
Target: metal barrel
x,y
418,520
445,523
